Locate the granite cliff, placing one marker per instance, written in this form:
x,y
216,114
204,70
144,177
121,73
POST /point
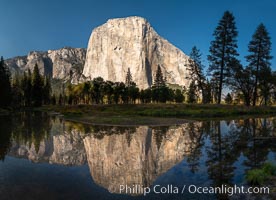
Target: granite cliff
x,y
113,47
132,43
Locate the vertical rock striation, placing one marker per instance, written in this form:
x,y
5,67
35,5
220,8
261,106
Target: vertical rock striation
x,y
137,158
132,43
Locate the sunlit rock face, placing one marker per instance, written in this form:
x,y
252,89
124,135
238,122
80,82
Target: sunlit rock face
x,y
138,157
68,149
66,63
132,43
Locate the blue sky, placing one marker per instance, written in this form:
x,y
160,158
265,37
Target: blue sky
x,y
51,24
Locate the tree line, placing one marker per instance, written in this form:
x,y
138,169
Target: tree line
x,y
31,89
99,91
252,84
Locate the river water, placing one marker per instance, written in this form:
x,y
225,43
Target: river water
x,y
46,157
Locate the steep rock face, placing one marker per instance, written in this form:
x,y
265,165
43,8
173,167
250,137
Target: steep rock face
x,y
66,63
68,149
132,43
138,158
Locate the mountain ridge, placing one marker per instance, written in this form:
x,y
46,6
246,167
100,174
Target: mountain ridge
x,y
113,47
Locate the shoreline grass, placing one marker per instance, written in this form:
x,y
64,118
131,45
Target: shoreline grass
x,y
146,114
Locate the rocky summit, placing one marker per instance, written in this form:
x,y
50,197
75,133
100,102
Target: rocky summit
x,y
66,63
113,47
132,43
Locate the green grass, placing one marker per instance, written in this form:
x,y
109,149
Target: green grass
x,y
155,113
262,175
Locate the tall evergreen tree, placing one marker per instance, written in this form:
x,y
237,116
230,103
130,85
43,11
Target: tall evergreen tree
x,y
223,51
266,84
159,80
132,89
160,92
5,85
37,89
17,92
191,93
259,56
128,78
195,68
228,98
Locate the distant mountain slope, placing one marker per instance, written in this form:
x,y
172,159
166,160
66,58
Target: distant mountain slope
x,y
66,63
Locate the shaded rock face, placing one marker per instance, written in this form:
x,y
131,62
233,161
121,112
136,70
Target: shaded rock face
x,y
137,158
66,63
132,43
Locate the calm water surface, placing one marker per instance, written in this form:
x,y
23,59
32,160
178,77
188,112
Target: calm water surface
x,y
45,157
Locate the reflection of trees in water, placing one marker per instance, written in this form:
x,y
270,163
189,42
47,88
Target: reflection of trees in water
x,y
5,135
220,155
100,131
159,134
31,128
196,134
25,128
254,140
258,148
238,137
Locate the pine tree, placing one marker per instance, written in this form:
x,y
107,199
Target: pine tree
x,y
5,85
132,89
195,68
159,80
192,97
37,89
223,51
160,92
17,92
128,78
259,56
266,84
228,99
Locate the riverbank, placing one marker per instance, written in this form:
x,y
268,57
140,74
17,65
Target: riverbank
x,y
150,114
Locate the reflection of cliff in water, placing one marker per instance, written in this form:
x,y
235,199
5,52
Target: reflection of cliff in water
x,y
138,156
115,155
46,139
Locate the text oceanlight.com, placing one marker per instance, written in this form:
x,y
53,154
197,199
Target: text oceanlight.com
x,y
192,189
